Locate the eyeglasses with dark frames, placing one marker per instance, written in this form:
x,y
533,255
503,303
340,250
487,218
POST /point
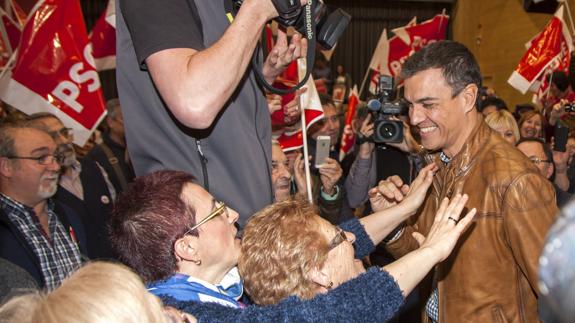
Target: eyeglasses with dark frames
x,y
222,209
340,237
42,160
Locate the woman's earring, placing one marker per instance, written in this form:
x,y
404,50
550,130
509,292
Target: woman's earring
x,y
330,286
197,262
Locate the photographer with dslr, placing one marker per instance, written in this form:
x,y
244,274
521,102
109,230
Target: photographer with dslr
x,y
189,95
563,111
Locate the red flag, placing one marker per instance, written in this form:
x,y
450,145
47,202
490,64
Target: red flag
x,y
412,38
309,99
103,39
348,138
290,140
55,71
548,48
286,80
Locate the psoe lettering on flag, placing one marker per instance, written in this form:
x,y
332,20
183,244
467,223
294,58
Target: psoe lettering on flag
x,y
54,70
547,48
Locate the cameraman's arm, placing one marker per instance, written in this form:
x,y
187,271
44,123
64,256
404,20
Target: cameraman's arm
x,y
194,84
362,175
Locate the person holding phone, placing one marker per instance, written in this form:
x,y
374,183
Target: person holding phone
x,y
327,173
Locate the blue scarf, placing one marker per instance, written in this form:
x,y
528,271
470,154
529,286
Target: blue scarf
x,y
186,288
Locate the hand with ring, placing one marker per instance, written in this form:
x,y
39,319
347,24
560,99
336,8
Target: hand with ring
x,y
447,227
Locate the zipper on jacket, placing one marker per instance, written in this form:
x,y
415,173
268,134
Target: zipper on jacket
x,y
204,162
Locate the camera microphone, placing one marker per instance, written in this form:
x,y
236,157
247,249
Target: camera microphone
x,y
374,105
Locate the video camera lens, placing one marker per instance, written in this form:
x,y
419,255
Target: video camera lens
x,y
388,131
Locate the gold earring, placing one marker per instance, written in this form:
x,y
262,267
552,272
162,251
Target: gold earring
x,y
330,286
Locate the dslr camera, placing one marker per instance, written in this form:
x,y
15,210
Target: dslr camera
x,y
330,22
383,107
569,107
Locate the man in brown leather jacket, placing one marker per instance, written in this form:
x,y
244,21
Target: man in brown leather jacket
x,y
492,274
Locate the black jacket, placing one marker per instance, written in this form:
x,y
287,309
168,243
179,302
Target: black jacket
x,y
14,248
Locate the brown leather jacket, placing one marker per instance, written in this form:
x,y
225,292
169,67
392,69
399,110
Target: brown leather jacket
x,y
491,276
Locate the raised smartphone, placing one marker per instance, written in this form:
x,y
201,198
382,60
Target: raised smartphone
x,y
321,150
561,132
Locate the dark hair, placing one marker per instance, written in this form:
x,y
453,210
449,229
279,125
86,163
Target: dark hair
x,y
546,148
326,99
491,100
147,219
458,66
522,108
561,80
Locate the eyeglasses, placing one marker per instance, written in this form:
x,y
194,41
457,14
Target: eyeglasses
x,y
64,132
218,211
537,160
338,239
42,160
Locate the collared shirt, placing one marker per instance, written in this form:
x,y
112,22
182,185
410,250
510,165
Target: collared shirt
x,y
57,254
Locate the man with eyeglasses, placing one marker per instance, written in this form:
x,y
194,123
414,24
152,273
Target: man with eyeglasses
x,y
84,185
37,233
541,155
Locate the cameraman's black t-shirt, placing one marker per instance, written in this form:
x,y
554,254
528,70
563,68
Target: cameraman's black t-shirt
x,y
158,25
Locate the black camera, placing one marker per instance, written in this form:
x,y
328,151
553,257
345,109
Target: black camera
x,y
569,107
330,22
383,107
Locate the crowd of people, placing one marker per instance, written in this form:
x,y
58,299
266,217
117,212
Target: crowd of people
x,y
187,206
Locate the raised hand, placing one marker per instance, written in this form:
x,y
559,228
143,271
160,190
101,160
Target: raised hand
x,y
392,191
292,111
447,227
274,102
299,174
366,131
330,172
283,54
